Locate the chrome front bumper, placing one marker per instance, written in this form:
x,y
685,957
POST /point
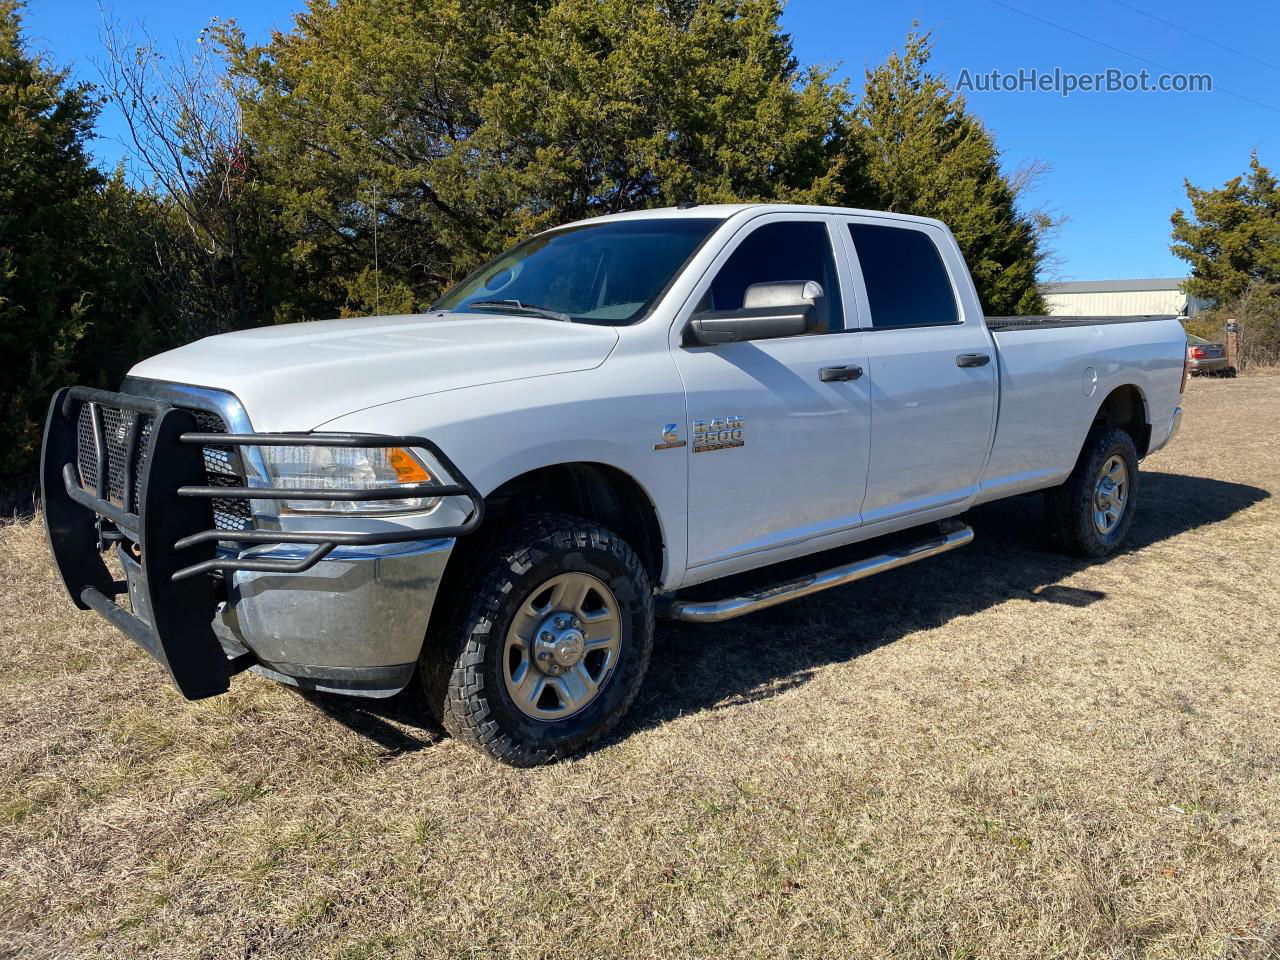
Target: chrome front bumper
x,y
354,623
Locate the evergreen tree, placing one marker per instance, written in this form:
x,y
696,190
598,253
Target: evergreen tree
x,y
48,196
1232,238
914,148
424,137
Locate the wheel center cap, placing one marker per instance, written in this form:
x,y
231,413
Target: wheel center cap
x,y
558,645
568,649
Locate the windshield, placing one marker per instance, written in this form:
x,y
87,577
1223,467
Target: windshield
x,y
606,273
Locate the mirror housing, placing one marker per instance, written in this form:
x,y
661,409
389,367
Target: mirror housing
x,y
786,294
768,310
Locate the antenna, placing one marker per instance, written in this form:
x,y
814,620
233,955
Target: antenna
x,y
377,291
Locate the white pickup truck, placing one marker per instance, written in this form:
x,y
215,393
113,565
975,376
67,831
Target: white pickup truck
x,y
490,500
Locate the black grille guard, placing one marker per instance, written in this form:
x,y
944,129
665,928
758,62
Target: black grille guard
x,y
174,529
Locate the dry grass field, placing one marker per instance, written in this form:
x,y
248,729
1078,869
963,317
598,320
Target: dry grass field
x,y
998,753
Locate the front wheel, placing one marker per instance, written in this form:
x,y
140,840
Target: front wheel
x,y
1089,515
548,642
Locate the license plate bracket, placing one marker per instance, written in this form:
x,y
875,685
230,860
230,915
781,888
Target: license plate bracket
x,y
136,580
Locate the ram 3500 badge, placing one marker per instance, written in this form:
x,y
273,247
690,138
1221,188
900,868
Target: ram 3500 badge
x,y
720,433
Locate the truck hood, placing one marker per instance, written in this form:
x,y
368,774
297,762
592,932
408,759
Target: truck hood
x,y
298,376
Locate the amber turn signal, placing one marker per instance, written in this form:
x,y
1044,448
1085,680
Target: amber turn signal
x,y
406,466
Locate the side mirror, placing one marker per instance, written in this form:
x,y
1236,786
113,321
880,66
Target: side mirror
x,y
768,310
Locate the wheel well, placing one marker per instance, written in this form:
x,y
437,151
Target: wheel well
x,y
1125,408
592,491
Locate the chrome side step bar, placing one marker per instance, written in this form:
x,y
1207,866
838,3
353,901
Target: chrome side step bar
x,y
953,534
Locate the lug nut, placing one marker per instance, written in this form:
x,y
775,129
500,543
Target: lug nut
x,y
561,623
544,655
577,622
545,638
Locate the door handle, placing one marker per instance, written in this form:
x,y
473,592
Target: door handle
x,y
851,372
973,359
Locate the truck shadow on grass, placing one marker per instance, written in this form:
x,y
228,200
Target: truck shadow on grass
x,y
399,725
714,666
708,667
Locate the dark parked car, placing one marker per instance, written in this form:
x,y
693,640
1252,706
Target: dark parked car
x,y
1206,357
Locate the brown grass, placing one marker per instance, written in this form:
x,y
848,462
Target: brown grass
x,y
1001,753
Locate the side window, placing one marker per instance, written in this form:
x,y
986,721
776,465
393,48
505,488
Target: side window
x,y
907,284
782,252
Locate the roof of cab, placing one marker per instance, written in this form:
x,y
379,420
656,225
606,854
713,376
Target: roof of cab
x,y
719,211
723,211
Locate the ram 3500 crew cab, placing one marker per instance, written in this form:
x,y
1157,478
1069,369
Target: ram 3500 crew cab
x,y
490,500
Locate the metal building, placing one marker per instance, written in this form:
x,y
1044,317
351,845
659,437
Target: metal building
x,y
1108,298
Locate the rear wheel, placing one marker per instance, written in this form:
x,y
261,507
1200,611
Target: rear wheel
x,y
1089,515
548,642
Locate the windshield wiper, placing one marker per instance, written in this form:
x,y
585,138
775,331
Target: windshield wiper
x,y
525,307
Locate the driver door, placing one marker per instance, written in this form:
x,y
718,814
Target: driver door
x,y
777,450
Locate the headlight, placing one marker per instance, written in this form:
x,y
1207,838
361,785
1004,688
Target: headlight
x,y
348,468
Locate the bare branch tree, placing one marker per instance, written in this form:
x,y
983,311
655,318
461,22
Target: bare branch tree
x,y
187,151
1047,222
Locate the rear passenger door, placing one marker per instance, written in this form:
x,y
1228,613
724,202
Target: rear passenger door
x,y
930,365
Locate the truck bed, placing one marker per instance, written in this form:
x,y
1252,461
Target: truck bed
x,y
1053,373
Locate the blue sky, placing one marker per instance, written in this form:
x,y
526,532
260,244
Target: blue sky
x,y
1117,160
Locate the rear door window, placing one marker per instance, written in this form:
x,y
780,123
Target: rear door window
x,y
907,283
